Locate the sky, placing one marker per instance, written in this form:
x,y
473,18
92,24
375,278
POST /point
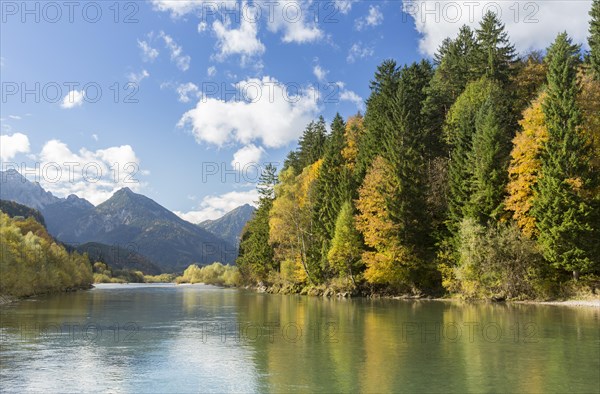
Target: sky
x,y
185,101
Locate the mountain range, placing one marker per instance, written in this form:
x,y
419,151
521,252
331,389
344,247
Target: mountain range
x,y
133,222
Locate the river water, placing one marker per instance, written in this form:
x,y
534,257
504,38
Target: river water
x,y
178,339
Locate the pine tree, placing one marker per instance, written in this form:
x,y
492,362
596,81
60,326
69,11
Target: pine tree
x,y
256,257
454,61
383,87
312,143
405,148
563,214
594,38
495,56
460,129
333,186
489,157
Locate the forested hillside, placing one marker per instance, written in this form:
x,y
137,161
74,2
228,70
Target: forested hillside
x,y
474,175
31,262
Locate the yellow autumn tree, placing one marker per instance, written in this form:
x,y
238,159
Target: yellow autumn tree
x,y
354,129
291,226
589,102
387,261
525,165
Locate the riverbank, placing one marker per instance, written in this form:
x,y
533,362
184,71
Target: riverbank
x,y
331,292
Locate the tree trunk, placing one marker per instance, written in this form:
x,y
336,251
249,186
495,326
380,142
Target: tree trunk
x,y
576,275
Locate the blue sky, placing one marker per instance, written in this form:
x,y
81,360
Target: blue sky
x,y
188,87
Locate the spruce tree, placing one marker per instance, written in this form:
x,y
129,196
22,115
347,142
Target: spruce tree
x,y
405,147
460,129
594,38
563,214
312,143
495,55
489,158
333,185
383,88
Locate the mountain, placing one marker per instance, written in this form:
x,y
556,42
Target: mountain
x,y
229,227
16,187
126,220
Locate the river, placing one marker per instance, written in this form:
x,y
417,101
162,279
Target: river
x,y
195,338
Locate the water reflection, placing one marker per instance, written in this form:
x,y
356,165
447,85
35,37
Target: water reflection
x,y
164,338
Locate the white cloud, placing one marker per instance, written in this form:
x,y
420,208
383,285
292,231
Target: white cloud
x,y
182,61
290,17
95,137
149,54
532,25
138,77
250,154
213,207
211,71
372,19
11,145
349,95
93,175
202,27
241,41
358,51
73,99
265,110
187,90
14,117
344,6
178,8
320,73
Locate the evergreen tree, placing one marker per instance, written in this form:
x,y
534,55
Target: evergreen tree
x,y
460,128
594,38
312,143
567,235
405,149
383,87
333,185
489,158
454,61
256,257
495,56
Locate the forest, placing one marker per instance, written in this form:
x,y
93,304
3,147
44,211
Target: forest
x,y
33,263
474,175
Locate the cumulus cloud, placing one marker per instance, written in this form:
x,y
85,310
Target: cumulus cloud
x,y
138,77
372,19
320,73
73,99
248,155
241,41
11,145
93,175
213,207
344,6
149,54
290,17
181,61
211,71
186,91
265,110
359,51
531,25
178,8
